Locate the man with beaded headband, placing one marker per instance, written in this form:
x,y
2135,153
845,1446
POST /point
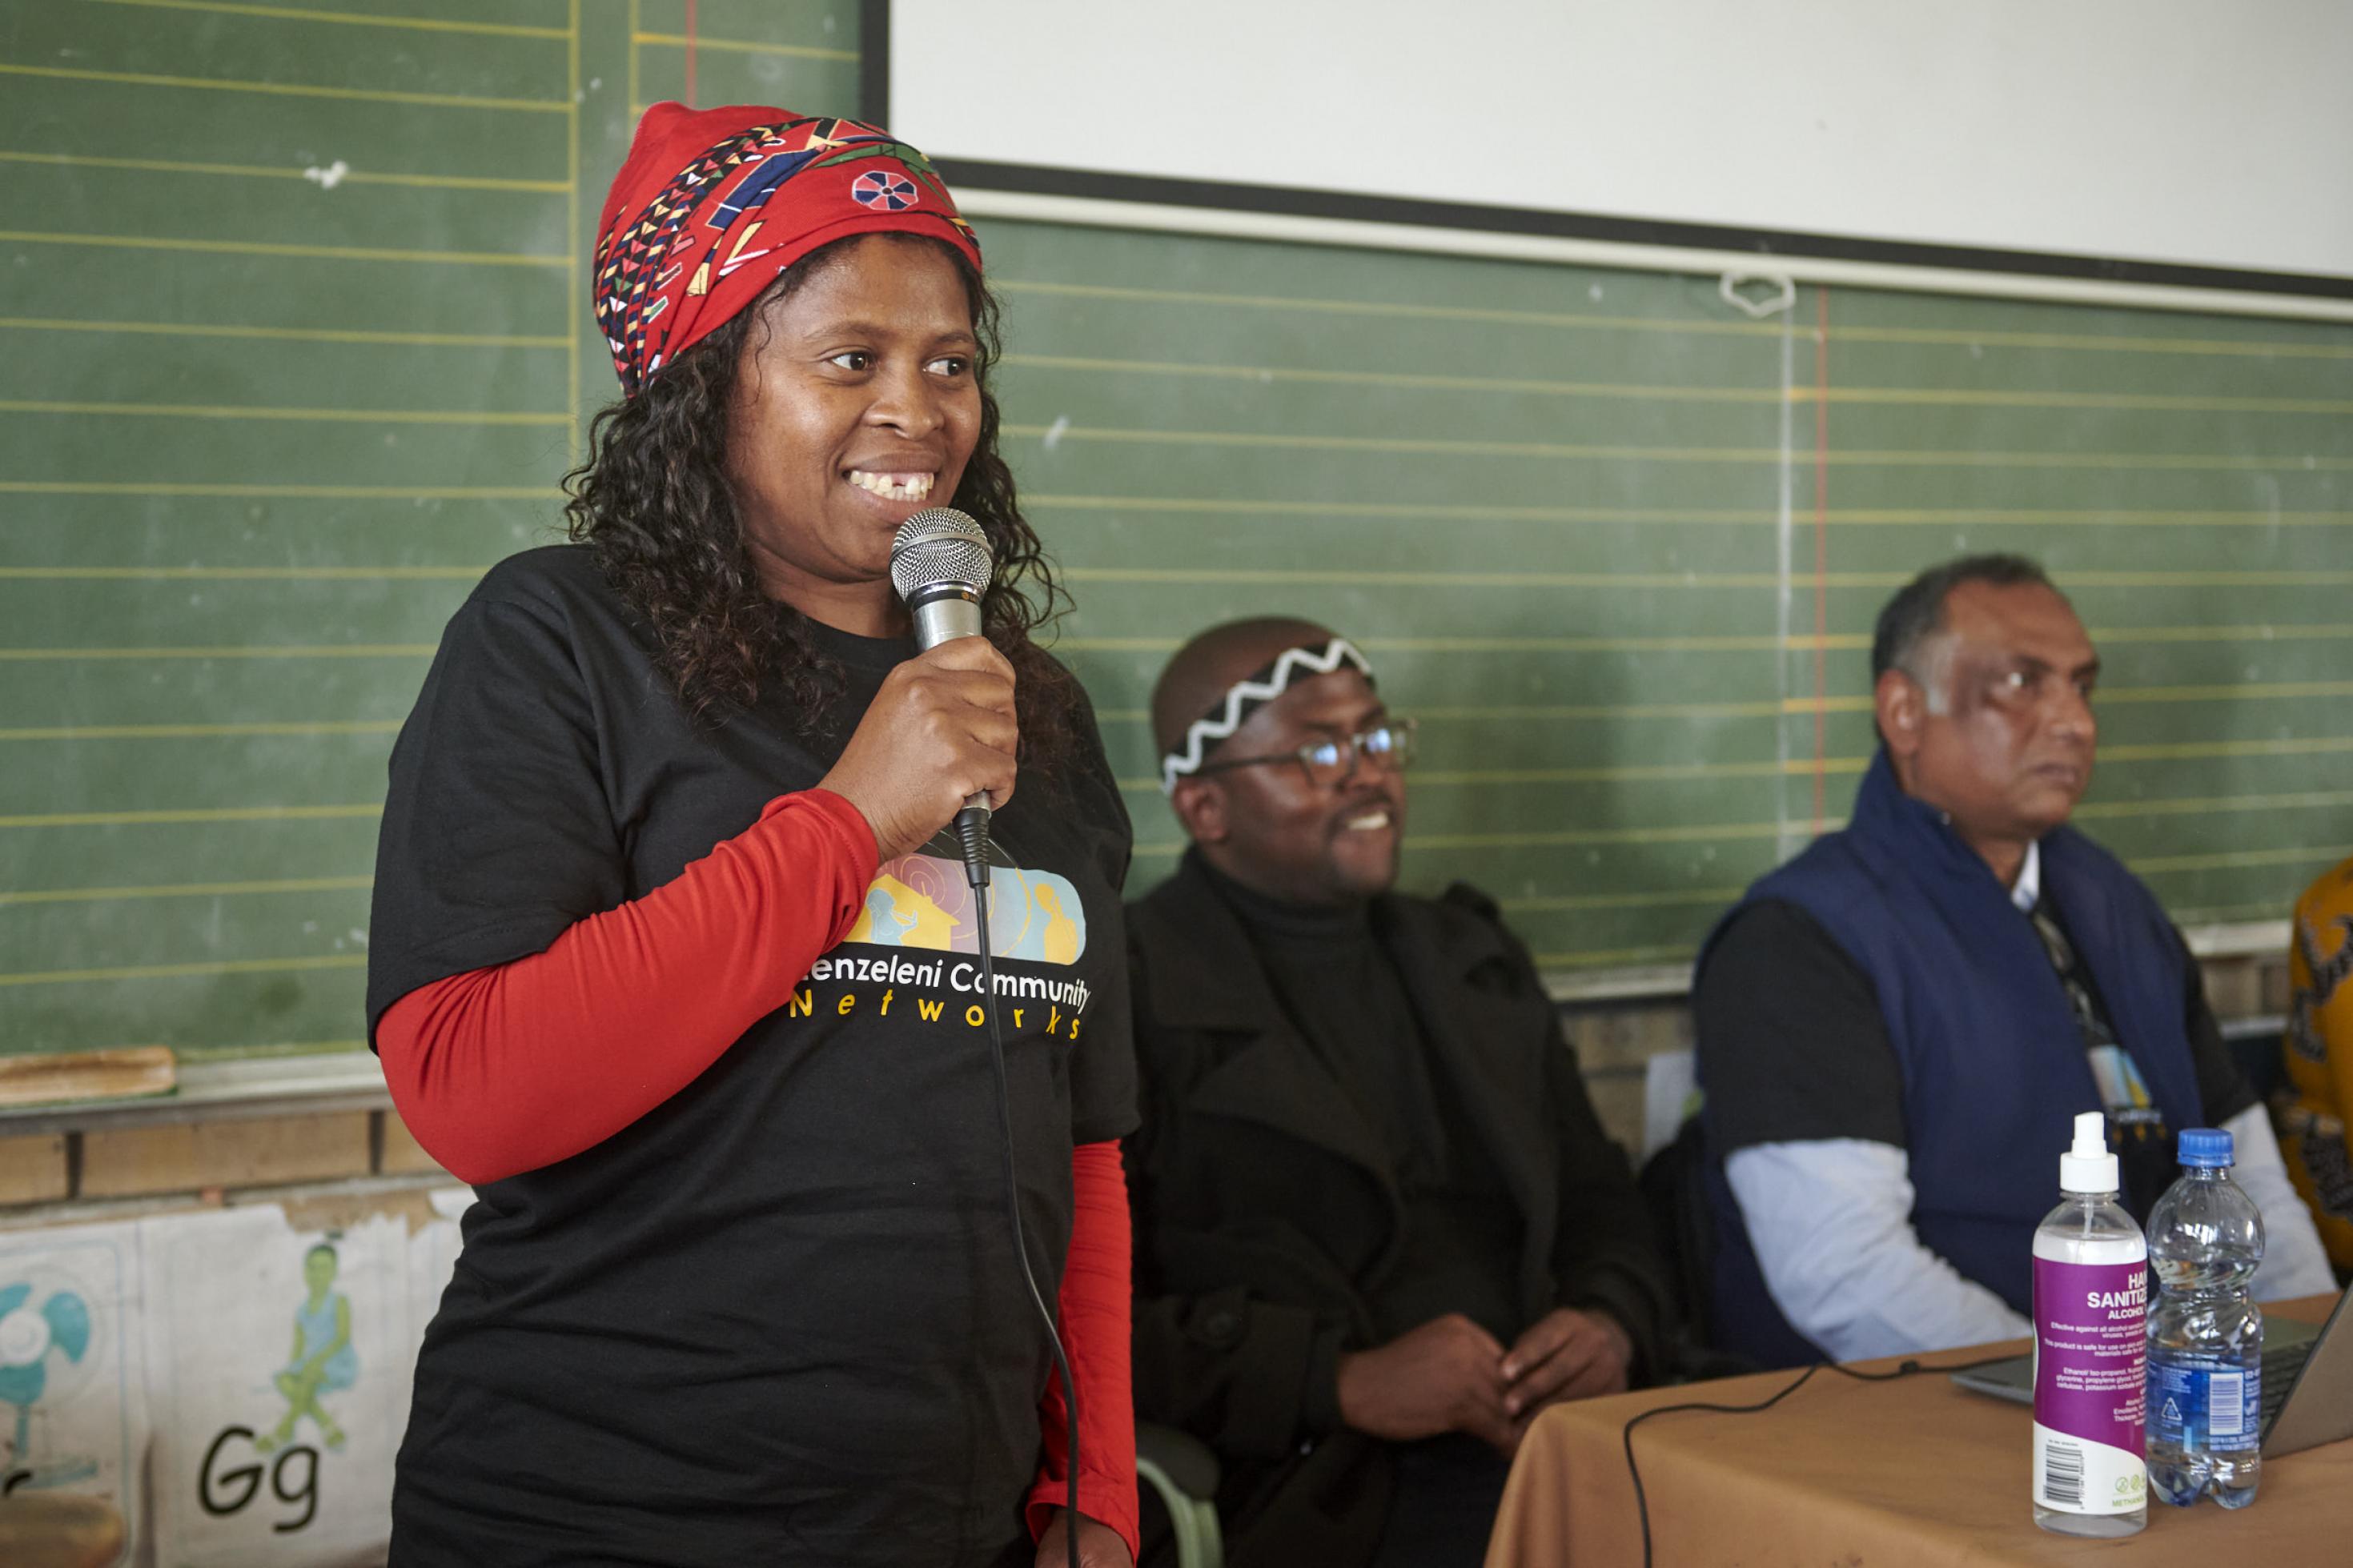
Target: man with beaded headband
x,y
1377,1225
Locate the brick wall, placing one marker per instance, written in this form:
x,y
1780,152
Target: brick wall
x,y
197,1158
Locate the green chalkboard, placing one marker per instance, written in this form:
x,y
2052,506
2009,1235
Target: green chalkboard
x,y
294,342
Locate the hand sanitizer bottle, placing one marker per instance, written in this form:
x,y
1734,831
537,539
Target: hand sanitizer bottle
x,y
2091,1350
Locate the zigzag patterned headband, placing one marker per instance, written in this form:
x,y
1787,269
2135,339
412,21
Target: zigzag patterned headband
x,y
1249,694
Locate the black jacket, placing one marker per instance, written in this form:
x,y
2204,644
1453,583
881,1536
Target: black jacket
x,y
1265,1206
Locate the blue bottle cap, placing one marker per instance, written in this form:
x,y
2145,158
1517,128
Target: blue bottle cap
x,y
2205,1147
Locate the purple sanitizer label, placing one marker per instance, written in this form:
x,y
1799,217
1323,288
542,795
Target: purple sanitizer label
x,y
2091,1385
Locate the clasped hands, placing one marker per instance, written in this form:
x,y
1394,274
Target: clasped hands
x,y
1452,1376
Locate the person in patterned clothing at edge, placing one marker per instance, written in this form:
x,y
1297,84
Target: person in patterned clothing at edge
x,y
2320,1057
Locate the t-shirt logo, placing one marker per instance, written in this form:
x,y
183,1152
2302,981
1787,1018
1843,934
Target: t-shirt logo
x,y
923,901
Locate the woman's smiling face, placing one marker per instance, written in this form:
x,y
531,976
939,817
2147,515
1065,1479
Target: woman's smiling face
x,y
856,406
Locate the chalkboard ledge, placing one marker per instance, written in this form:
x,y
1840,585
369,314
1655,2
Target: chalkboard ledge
x,y
224,1091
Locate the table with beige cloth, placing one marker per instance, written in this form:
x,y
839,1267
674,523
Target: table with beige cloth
x,y
1912,1473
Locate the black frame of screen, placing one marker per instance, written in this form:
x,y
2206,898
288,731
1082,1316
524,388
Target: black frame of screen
x,y
1766,244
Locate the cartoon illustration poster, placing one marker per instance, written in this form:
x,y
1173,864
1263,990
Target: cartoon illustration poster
x,y
73,1415
284,1358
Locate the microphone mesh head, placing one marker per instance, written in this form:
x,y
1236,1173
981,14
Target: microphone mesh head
x,y
940,548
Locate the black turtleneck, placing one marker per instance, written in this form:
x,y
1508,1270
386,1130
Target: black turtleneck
x,y
1338,983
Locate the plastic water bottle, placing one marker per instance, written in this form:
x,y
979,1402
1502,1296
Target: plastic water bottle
x,y
2090,1349
2205,1333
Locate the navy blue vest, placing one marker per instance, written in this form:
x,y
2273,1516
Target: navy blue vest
x,y
1993,1066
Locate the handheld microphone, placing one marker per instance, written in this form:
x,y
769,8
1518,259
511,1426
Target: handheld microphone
x,y
941,564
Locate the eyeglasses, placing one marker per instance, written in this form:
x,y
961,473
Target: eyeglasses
x,y
1330,763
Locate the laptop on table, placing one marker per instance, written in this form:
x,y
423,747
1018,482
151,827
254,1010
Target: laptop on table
x,y
2307,1381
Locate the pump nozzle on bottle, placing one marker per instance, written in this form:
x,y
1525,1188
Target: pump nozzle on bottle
x,y
2088,1167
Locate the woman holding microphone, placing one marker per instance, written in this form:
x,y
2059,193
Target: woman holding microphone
x,y
669,960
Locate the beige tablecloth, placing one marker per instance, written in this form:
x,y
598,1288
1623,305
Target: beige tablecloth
x,y
1910,1474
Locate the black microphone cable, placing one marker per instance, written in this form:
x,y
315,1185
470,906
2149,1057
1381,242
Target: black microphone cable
x,y
972,827
1911,1366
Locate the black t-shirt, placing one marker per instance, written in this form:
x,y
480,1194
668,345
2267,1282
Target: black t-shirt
x,y
779,1318
1794,1048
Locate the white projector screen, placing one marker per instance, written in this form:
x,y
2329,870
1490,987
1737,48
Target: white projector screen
x,y
2176,133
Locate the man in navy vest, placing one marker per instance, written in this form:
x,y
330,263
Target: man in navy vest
x,y
1896,1028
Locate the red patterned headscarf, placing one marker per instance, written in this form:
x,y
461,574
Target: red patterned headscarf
x,y
713,202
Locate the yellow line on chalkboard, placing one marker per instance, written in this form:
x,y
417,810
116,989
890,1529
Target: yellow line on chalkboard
x,y
2109,695
1419,446
186,891
1759,644
1568,837
290,89
1946,517
1594,958
1296,305
190,815
256,171
469,416
2273,633
2101,517
741,46
184,971
1426,446
2149,401
1720,832
2178,751
1802,767
282,650
1585,837
286,334
1629,772
2160,864
1761,709
203,731
2173,752
246,574
1049,501
284,492
2288,632
1626,773
1667,579
1549,903
1834,641
2095,342
243,574
2311,800
1166,574
311,252
2251,692
2301,463
357,19
1273,373
1269,375
636,26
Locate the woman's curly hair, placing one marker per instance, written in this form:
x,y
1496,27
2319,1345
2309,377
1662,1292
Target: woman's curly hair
x,y
653,502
